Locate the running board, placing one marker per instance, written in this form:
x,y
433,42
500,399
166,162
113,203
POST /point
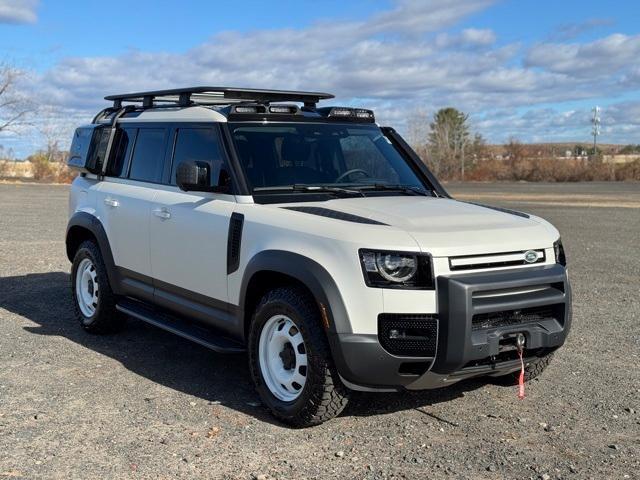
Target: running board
x,y
180,327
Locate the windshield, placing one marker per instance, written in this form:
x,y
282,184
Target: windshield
x,y
287,155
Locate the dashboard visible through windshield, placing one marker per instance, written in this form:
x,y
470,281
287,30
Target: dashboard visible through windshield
x,y
307,155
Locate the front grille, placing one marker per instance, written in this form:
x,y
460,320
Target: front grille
x,y
494,260
408,335
506,318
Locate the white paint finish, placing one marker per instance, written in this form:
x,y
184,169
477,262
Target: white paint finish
x,y
82,196
445,227
189,248
176,114
127,224
334,244
409,301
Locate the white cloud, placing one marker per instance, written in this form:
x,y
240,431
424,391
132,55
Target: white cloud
x,y
394,61
601,57
18,11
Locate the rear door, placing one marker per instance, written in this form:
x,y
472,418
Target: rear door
x,y
125,201
188,234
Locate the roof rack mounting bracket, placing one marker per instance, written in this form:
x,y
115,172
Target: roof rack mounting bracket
x,y
185,99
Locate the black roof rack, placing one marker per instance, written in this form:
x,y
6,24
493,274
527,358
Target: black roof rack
x,y
216,96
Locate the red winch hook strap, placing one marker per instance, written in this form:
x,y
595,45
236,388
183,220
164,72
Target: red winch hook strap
x,y
521,377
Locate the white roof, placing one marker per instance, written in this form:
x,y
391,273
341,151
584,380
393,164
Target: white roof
x,y
195,113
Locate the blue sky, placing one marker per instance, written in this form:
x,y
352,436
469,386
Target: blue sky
x,y
525,69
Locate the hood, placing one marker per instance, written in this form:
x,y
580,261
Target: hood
x,y
445,227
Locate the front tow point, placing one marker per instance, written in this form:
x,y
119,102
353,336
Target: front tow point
x,y
520,341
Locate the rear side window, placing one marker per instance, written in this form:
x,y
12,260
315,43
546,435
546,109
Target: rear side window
x,y
148,155
122,151
197,144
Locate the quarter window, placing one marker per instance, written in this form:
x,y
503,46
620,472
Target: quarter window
x,y
122,151
148,155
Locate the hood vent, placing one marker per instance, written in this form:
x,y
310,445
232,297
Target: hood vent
x,y
326,212
500,209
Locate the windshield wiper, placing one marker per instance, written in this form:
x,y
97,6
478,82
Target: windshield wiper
x,y
311,188
397,187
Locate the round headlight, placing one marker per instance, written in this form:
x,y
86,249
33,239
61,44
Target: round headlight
x,y
396,268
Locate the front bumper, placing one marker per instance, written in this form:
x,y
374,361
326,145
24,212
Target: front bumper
x,y
464,348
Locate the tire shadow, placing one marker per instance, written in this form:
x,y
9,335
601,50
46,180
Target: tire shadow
x,y
164,358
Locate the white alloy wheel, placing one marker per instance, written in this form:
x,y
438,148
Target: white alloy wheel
x,y
87,287
283,358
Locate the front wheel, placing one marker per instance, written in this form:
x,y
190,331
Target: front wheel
x,y
291,362
531,370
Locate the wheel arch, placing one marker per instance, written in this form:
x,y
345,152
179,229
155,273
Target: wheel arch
x,y
83,226
273,268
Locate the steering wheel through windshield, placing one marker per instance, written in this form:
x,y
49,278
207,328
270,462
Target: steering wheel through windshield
x,y
353,171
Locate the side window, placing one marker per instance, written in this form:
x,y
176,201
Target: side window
x,y
199,144
148,155
118,164
99,149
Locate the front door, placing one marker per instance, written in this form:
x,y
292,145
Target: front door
x,y
188,237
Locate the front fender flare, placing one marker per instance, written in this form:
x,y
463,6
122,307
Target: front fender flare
x,y
307,271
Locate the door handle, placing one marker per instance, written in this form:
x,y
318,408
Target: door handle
x,y
163,213
111,202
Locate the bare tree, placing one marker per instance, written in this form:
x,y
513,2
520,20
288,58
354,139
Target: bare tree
x,y
14,107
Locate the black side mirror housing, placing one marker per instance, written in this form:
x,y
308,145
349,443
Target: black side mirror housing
x,y
195,176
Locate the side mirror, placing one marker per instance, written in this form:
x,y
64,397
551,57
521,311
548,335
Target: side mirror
x,y
195,176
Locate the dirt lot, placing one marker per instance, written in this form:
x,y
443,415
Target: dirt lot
x,y
145,404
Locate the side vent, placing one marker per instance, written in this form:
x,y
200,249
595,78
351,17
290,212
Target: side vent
x,y
234,241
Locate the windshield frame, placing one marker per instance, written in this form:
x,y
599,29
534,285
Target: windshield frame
x,y
289,192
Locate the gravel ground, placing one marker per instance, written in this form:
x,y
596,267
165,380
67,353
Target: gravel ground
x,y
145,404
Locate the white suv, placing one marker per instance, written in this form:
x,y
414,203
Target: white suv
x,y
311,237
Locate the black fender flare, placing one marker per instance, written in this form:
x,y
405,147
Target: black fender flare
x,y
89,222
307,271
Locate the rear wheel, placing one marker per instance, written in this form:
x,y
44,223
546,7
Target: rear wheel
x,y
93,299
291,362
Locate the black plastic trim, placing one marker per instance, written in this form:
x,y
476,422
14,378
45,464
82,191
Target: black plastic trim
x,y
237,173
457,303
86,221
206,310
335,214
179,326
500,209
234,242
414,160
307,271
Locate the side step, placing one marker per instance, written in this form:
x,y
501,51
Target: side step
x,y
180,327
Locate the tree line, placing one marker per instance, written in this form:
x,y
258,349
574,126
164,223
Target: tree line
x,y
449,148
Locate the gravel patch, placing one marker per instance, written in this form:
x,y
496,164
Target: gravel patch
x,y
146,404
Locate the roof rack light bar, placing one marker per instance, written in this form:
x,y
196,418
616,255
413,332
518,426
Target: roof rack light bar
x,y
217,96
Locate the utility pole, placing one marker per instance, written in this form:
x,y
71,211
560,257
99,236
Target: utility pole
x,y
595,130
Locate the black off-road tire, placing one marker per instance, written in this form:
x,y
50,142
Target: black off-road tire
x,y
531,371
323,396
105,319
